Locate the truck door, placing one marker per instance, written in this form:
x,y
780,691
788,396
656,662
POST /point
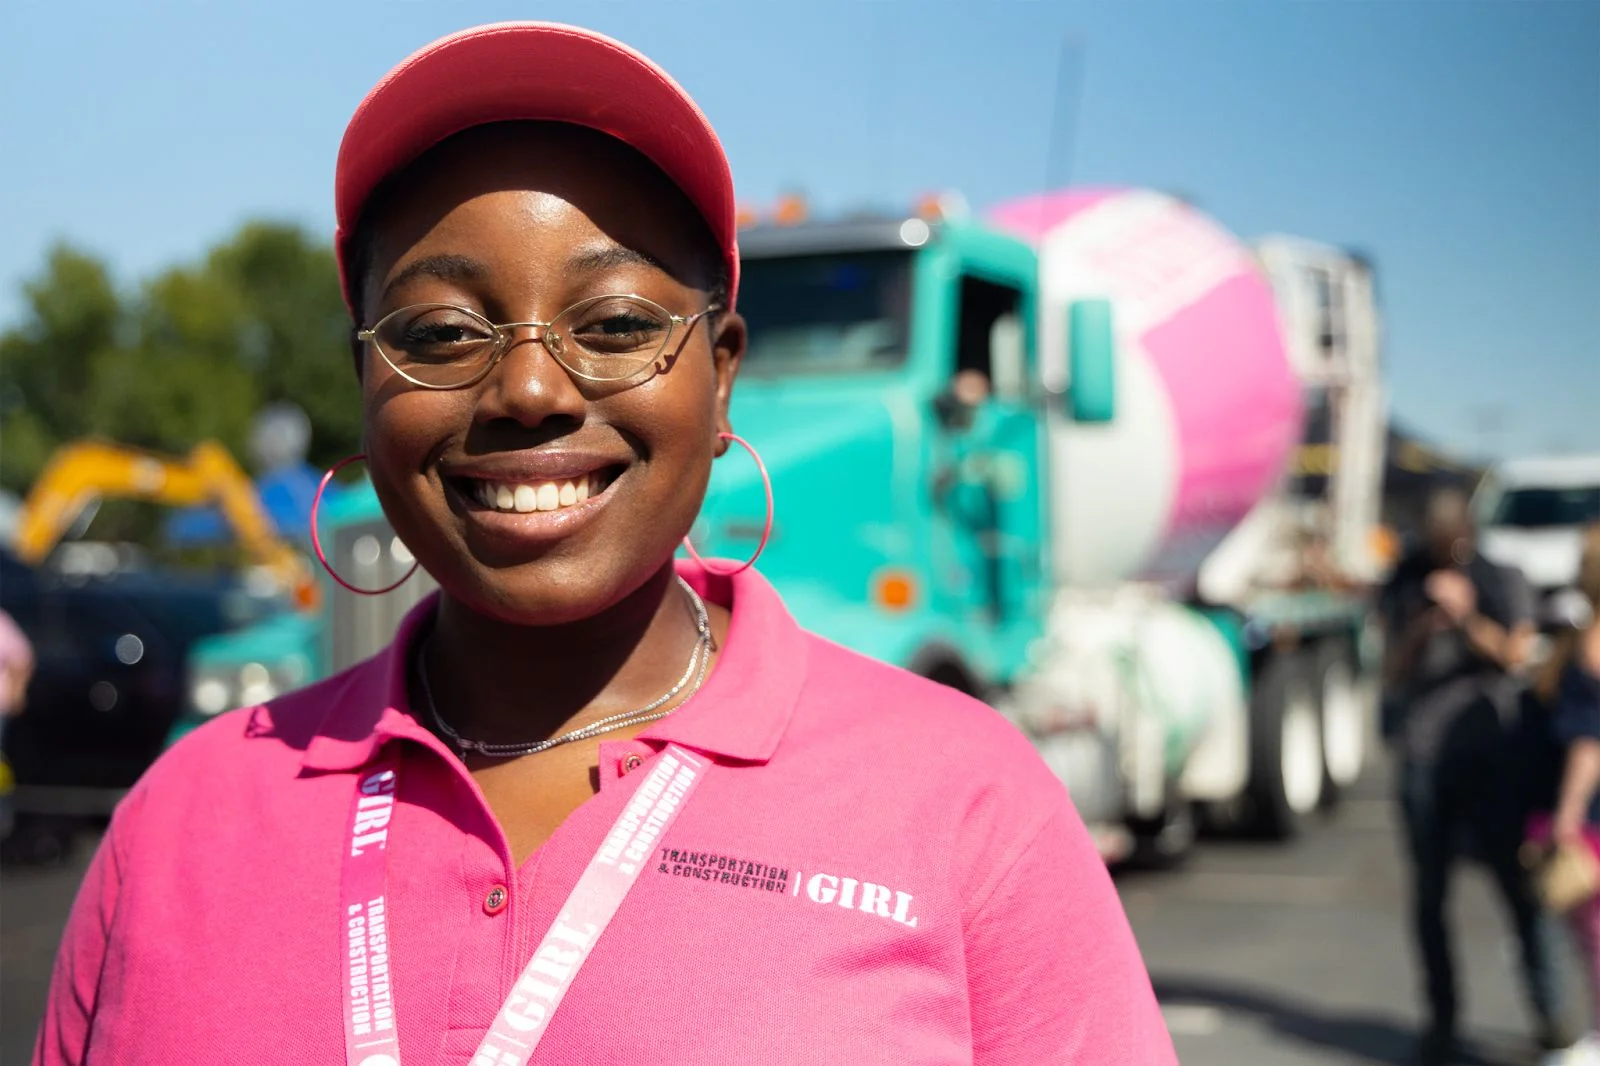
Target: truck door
x,y
988,485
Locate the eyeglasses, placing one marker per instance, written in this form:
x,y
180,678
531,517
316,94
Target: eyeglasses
x,y
604,338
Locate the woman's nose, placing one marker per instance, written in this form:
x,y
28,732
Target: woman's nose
x,y
528,386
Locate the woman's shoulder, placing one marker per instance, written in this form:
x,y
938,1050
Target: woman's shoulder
x,y
1588,652
873,706
947,771
1574,706
225,773
1580,681
250,745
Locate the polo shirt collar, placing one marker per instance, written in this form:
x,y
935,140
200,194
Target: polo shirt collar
x,y
740,713
744,707
373,707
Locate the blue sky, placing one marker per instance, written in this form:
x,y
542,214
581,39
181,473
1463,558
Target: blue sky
x,y
1457,143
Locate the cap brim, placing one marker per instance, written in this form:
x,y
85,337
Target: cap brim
x,y
533,71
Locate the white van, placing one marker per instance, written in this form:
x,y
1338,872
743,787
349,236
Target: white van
x,y
1531,514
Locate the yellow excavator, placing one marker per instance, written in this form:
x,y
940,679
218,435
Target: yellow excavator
x,y
79,473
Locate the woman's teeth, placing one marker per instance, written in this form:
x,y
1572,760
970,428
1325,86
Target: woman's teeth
x,y
539,496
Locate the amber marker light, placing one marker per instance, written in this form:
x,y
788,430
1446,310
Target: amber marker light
x,y
894,590
790,211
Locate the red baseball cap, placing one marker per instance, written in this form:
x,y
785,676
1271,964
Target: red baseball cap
x,y
547,71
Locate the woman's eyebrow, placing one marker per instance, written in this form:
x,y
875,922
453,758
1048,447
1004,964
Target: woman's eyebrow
x,y
443,267
598,258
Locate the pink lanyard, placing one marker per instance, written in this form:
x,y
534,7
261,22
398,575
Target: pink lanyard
x,y
369,1021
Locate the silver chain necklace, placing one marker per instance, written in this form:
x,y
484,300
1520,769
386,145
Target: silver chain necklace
x,y
699,662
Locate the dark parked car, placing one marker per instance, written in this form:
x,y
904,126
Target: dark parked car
x,y
109,679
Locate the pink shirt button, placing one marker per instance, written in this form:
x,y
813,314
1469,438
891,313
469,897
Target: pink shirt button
x,y
495,901
630,763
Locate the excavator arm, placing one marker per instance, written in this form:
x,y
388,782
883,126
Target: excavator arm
x,y
84,471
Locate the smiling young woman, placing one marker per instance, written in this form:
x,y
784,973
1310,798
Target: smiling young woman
x,y
589,806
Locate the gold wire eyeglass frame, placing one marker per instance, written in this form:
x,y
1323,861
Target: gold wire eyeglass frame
x,y
505,336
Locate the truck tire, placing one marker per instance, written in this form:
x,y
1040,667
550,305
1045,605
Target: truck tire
x,y
943,664
951,674
1286,764
1342,707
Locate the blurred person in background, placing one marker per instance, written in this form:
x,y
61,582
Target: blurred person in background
x,y
1458,629
1567,691
16,670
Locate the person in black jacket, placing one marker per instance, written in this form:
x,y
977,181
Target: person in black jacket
x,y
1459,628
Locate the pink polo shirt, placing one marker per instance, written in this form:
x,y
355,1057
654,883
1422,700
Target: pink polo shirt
x,y
875,869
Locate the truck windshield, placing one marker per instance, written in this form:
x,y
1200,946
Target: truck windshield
x,y
1537,507
832,313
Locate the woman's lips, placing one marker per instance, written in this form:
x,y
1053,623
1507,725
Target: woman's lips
x,y
534,466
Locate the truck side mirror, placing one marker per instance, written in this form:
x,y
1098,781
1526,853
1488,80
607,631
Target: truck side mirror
x,y
1091,361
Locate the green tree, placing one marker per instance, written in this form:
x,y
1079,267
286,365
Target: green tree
x,y
178,378
72,318
292,330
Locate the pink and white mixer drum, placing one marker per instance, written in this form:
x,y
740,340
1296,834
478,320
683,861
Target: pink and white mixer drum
x,y
1208,407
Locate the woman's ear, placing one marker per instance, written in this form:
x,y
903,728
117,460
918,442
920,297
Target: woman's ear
x,y
727,353
358,352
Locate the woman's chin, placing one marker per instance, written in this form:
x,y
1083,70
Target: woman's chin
x,y
556,588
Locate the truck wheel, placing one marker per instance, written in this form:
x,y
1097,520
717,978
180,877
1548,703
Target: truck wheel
x,y
951,675
1286,764
1344,719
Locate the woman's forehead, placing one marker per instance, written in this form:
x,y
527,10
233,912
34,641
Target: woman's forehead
x,y
513,255
541,189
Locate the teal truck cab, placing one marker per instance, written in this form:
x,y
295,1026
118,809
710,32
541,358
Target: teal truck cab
x,y
890,386
1003,453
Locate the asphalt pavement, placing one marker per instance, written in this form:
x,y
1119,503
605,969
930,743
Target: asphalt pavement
x,y
1261,954
1290,954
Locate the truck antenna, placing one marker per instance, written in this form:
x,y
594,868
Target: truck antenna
x,y
1064,119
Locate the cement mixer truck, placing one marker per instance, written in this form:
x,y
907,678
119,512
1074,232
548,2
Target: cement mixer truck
x,y
1209,646
1049,458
